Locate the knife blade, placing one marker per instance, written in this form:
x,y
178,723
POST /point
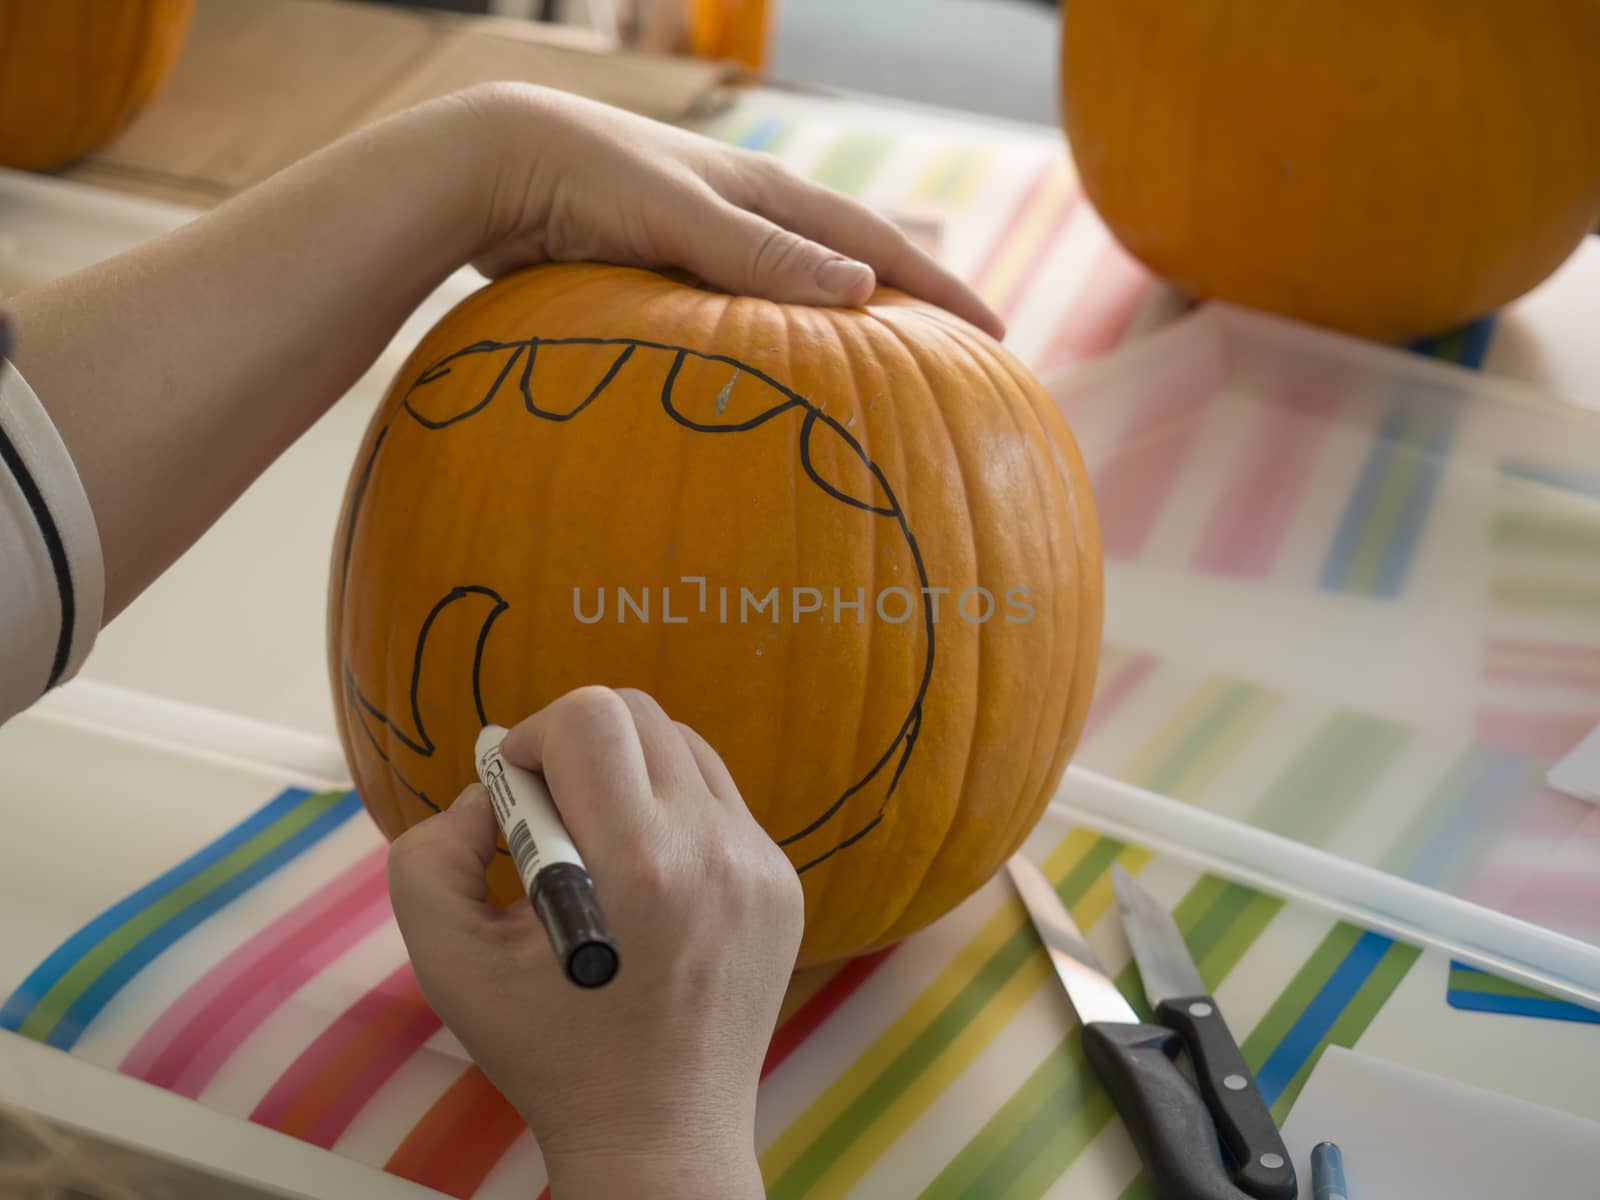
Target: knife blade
x,y
1166,1117
1172,983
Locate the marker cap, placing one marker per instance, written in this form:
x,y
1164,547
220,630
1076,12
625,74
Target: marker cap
x,y
565,901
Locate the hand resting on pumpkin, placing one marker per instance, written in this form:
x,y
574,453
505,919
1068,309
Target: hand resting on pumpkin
x,y
176,372
648,1085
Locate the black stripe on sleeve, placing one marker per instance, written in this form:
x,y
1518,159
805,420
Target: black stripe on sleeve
x,y
57,550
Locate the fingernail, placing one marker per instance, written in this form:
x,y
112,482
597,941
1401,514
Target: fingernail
x,y
841,276
476,796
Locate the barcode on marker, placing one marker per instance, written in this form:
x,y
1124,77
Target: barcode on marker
x,y
523,851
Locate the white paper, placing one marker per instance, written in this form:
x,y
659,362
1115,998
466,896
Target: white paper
x,y
1578,774
1406,1133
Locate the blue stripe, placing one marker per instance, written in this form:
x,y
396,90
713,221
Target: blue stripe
x,y
75,948
1406,434
1395,563
1342,553
1303,1038
1475,342
763,134
1544,1008
1479,811
117,976
1472,343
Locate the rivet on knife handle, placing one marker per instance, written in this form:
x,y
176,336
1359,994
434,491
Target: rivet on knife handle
x,y
1261,1164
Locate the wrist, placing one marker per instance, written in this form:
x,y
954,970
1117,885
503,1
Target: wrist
x,y
718,1171
510,126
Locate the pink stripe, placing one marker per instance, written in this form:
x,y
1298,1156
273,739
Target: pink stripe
x,y
1565,902
1117,689
991,256
1065,208
1551,664
374,1073
1563,653
1098,317
393,988
1136,478
1246,529
1543,735
199,1031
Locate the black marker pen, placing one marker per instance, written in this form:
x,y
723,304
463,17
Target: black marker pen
x,y
557,881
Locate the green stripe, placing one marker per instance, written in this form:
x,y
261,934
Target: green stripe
x,y
1140,1189
1407,454
1341,764
1441,800
1564,533
1250,913
83,973
1058,1110
1353,1022
964,162
850,161
1168,775
867,1107
1534,597
1289,1006
734,127
1493,985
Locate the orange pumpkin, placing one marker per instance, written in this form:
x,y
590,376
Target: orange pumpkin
x,y
853,548
1390,168
74,72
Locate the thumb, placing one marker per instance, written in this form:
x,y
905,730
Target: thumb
x,y
748,255
442,861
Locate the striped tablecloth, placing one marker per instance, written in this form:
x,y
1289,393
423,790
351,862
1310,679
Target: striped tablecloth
x,y
261,973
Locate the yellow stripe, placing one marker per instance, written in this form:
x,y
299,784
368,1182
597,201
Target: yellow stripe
x,y
1024,246
901,1113
780,1156
967,187
928,182
1145,767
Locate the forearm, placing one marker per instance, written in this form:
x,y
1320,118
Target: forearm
x,y
178,371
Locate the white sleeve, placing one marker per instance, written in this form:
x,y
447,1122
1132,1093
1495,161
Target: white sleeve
x,y
52,579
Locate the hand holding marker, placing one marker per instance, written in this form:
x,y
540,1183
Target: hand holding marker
x,y
558,883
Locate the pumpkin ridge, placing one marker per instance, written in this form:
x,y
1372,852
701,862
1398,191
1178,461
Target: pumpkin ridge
x,y
940,418
1024,409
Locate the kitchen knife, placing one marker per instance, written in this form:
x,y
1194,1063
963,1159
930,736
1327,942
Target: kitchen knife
x,y
1166,1117
1182,1002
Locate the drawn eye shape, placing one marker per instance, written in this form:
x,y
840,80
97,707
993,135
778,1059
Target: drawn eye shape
x,y
719,395
462,383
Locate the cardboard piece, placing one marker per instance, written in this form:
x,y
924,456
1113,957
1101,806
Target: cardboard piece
x,y
262,83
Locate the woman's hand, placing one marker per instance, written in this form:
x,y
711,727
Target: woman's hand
x,y
580,180
646,1086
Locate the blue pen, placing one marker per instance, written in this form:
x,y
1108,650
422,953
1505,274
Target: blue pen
x,y
1327,1173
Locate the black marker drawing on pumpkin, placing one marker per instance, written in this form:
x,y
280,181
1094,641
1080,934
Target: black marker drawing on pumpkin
x,y
523,354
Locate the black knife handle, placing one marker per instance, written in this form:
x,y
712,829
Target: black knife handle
x,y
1164,1114
1261,1164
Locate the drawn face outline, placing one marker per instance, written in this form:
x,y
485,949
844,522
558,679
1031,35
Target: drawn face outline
x,y
525,351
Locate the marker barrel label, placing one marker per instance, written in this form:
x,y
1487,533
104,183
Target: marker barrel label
x,y
527,815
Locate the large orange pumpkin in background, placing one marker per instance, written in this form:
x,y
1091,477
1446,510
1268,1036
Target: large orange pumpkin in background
x,y
590,474
74,72
1390,168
